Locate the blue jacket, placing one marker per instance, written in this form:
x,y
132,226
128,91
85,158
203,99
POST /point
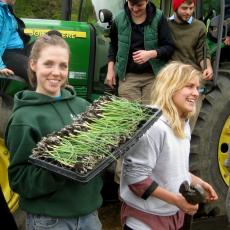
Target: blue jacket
x,y
8,32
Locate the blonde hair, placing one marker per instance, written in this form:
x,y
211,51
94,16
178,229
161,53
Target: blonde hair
x,y
40,44
172,77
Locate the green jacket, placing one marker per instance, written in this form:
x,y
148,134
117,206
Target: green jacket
x,y
124,38
41,191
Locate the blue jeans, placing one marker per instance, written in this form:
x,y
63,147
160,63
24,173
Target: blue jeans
x,y
87,222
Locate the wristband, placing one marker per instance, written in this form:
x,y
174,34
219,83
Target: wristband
x,y
149,190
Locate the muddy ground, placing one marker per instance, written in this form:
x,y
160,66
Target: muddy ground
x,y
109,215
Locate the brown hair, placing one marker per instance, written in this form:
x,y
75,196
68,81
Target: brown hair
x,y
136,1
40,44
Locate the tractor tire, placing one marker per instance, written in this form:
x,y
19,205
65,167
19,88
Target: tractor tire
x,y
210,138
12,198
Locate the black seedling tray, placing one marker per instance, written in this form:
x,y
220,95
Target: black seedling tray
x,y
54,166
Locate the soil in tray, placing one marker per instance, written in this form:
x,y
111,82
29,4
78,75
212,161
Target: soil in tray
x,y
84,165
94,133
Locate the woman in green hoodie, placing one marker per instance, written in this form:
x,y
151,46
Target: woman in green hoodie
x,y
50,200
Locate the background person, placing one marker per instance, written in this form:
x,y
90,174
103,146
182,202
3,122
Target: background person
x,y
225,50
154,169
14,49
216,6
140,45
189,36
50,200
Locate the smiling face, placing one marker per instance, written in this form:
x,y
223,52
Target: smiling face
x,y
51,70
185,98
138,9
184,12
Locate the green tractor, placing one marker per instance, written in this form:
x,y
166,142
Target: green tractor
x,y
211,135
89,45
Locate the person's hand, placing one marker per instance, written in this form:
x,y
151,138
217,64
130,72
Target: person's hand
x,y
186,207
142,56
210,194
227,41
6,72
208,74
110,79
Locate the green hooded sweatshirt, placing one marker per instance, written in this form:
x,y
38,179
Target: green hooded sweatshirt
x,y
41,191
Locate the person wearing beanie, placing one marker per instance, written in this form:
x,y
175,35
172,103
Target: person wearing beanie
x,y
189,35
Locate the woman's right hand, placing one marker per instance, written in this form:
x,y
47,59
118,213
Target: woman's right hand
x,y
186,207
6,72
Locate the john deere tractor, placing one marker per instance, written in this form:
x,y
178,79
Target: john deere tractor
x,y
89,44
211,135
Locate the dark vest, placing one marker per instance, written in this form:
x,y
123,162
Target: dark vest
x,y
124,37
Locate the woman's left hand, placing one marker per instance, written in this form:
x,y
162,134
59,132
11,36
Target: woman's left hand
x,y
210,194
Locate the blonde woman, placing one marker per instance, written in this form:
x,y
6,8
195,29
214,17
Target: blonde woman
x,y
154,169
